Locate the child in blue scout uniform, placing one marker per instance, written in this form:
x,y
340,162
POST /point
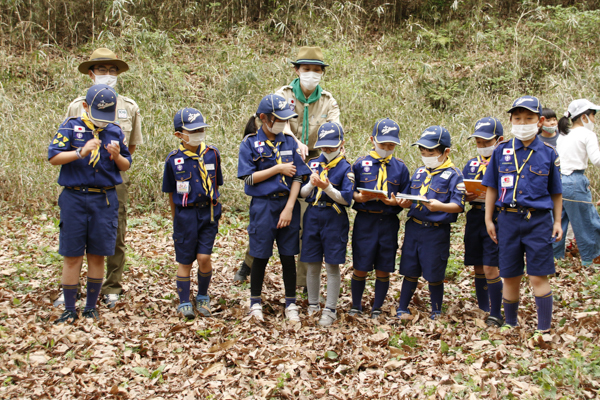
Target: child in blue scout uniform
x,y
480,249
426,246
375,233
272,169
328,193
92,153
523,179
192,178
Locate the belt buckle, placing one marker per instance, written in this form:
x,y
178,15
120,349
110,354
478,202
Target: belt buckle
x,y
321,203
84,189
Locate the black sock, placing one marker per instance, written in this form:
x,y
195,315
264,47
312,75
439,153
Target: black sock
x,y
257,276
288,265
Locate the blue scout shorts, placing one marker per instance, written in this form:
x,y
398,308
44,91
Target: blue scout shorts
x,y
375,241
193,233
480,249
87,223
325,233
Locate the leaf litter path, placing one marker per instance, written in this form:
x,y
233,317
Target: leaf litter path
x,y
141,349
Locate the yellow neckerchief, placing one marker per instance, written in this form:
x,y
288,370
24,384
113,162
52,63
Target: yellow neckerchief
x,y
518,169
425,188
206,181
95,155
326,167
382,174
275,148
483,163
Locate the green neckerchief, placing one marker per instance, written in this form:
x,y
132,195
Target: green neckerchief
x,y
316,95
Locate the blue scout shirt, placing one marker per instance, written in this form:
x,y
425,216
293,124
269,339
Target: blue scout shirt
x,y
340,176
446,187
539,176
72,134
255,155
472,170
366,169
182,168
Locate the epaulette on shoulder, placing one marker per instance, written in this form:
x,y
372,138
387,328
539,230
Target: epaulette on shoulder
x,y
326,93
456,170
311,159
171,154
504,142
213,147
552,147
128,100
359,159
249,135
401,160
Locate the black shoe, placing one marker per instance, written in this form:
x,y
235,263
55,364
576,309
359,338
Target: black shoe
x,y
91,313
242,274
375,313
68,316
355,312
494,321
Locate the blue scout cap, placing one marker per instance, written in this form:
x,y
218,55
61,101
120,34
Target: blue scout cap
x,y
529,103
102,103
331,134
433,137
386,131
276,105
487,128
189,119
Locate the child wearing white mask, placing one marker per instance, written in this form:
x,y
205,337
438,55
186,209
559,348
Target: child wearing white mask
x,y
577,144
480,249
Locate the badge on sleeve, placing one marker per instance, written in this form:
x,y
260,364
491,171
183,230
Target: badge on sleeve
x,y
65,139
79,128
179,161
507,181
350,176
183,187
461,187
446,174
55,141
59,135
557,161
292,103
61,144
122,114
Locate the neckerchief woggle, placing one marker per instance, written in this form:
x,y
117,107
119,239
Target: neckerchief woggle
x,y
323,175
275,148
206,181
315,95
382,174
95,154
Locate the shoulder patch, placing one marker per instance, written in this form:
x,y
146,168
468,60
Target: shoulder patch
x,y
171,154
461,187
350,176
557,161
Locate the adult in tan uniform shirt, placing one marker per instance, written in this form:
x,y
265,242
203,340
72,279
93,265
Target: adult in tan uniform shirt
x,y
104,67
314,107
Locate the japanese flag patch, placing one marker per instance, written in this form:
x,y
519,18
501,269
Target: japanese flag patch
x,y
79,128
179,161
314,164
420,170
367,163
507,152
475,163
259,144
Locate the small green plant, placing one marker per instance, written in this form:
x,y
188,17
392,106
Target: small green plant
x,y
204,334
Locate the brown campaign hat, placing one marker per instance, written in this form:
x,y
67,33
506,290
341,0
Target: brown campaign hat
x,y
310,55
103,56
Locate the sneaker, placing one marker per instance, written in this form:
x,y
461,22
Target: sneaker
x,y
242,274
61,299
494,321
328,317
91,313
375,313
539,334
435,315
203,307
186,310
256,312
68,317
111,299
313,309
400,313
506,328
355,312
291,313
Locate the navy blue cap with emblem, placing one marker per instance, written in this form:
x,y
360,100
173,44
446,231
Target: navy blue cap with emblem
x,y
330,134
102,103
433,137
189,119
487,128
529,103
386,131
276,105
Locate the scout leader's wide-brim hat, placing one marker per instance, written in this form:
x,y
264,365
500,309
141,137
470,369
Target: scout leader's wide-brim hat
x,y
276,105
310,55
433,137
330,134
487,128
102,102
103,56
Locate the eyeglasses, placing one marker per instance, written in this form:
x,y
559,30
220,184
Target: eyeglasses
x,y
104,71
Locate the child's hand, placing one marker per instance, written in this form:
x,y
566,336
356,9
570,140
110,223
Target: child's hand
x,y
557,231
491,230
114,150
321,184
470,196
360,198
313,179
303,150
285,218
391,201
404,203
433,205
287,169
90,146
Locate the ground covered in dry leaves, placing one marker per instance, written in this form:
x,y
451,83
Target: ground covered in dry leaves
x,y
141,349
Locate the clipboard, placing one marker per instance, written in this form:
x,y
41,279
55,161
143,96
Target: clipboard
x,y
413,198
475,186
373,194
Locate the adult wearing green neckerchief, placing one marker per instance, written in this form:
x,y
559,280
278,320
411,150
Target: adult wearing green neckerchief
x,y
314,107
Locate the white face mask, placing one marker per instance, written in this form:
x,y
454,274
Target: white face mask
x,y
277,127
525,132
310,80
196,139
486,151
383,153
332,155
107,79
432,162
589,124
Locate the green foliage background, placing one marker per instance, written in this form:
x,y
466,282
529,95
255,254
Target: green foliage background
x,y
420,63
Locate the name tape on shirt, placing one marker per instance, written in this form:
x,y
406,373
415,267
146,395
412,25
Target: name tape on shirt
x,y
179,161
114,142
210,167
446,174
122,113
367,163
507,152
286,152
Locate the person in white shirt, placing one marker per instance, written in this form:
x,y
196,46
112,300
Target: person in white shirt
x,y
576,145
